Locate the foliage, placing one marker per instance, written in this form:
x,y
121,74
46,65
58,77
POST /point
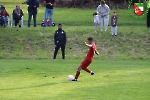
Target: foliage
x,y
92,3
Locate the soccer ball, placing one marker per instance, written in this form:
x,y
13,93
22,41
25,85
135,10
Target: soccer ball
x,y
70,77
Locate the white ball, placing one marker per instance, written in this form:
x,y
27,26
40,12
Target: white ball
x,y
70,77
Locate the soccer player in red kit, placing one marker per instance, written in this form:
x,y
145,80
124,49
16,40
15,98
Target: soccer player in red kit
x,y
88,59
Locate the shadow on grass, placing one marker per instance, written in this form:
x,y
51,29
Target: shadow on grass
x,y
41,85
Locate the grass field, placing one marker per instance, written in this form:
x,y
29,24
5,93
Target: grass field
x,y
37,43
47,80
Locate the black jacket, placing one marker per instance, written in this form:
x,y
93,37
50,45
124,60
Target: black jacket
x,y
31,4
16,16
60,37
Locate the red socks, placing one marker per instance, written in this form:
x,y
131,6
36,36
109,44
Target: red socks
x,y
77,74
87,70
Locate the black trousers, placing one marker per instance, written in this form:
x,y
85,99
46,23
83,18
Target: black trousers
x,y
17,18
62,50
148,18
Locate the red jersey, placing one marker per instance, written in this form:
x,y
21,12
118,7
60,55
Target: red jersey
x,y
91,52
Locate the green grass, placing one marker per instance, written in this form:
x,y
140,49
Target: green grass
x,y
76,16
113,80
121,71
37,43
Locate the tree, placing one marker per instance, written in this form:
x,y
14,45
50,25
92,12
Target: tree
x,y
91,3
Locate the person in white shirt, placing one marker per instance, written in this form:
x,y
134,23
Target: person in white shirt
x,y
96,21
103,11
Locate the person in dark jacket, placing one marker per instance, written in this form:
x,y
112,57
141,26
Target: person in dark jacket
x,y
17,14
32,11
59,41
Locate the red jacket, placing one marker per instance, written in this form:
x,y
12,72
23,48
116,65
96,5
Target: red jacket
x,y
4,13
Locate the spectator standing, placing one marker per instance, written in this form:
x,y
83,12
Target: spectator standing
x,y
59,41
114,20
49,11
32,11
17,14
4,14
103,11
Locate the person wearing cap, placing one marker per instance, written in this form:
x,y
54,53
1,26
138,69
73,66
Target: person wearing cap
x,y
103,10
114,21
60,41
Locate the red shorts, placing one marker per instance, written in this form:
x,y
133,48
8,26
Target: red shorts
x,y
85,63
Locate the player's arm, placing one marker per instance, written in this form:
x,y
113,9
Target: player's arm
x,y
88,45
96,52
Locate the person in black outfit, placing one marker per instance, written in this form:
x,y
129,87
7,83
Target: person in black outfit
x,y
59,41
32,11
17,14
148,18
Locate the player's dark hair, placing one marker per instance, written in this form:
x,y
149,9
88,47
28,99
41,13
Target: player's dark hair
x,y
90,39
